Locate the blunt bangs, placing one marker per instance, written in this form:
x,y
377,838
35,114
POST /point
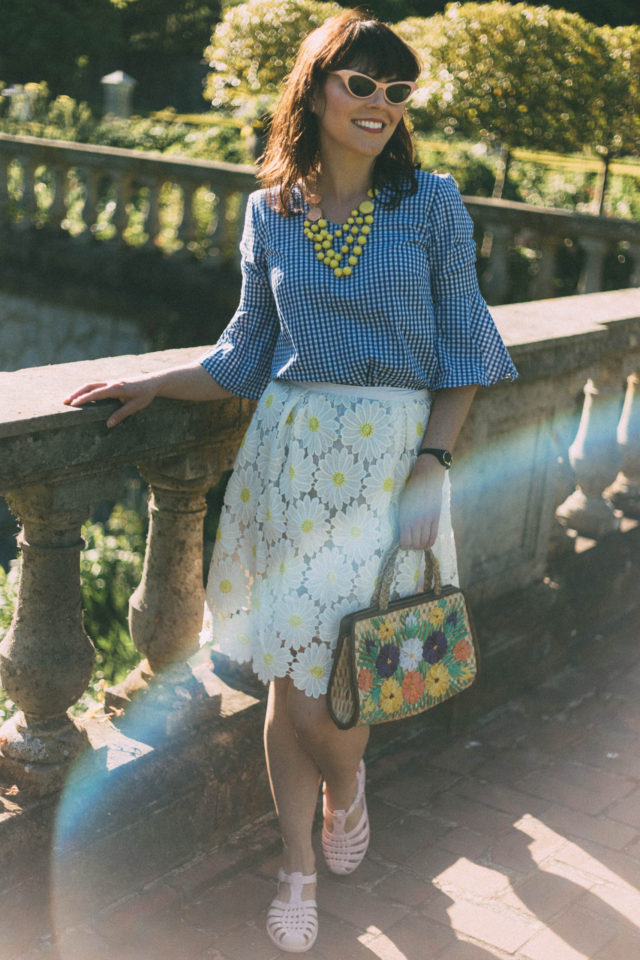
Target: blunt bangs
x,y
372,48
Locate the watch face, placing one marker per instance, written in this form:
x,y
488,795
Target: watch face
x,y
447,459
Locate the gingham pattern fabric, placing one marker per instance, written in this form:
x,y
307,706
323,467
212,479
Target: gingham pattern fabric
x,y
410,315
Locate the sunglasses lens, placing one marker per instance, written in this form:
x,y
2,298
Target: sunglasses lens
x,y
361,86
398,92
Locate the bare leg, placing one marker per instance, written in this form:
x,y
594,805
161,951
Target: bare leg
x,y
337,753
295,779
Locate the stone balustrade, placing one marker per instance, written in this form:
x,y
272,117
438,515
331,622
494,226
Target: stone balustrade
x,y
111,189
512,480
114,191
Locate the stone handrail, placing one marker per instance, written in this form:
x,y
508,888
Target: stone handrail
x,y
212,231
512,480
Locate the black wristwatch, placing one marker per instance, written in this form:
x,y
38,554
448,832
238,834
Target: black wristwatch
x,y
443,456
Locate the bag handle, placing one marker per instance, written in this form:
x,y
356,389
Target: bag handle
x,y
382,590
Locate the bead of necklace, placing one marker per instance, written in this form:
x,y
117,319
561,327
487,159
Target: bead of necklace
x,y
351,237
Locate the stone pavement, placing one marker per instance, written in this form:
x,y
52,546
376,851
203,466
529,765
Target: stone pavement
x,y
520,839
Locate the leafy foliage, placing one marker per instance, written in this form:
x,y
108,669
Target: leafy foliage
x,y
254,47
514,74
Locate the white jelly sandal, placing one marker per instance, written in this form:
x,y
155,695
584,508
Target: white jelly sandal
x,y
293,926
344,850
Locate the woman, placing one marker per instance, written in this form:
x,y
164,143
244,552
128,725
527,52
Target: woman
x,y
362,333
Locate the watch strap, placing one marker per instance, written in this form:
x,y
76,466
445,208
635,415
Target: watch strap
x,y
443,456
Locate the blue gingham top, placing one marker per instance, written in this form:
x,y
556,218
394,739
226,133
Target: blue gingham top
x,y
410,315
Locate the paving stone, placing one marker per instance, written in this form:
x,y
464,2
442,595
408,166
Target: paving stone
x,y
465,842
519,854
500,797
576,787
627,810
504,929
602,829
619,902
413,937
624,946
246,942
574,935
459,811
358,907
415,789
231,904
472,879
403,888
542,895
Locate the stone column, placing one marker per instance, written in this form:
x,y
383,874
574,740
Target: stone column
x,y
496,279
46,658
542,285
166,610
594,457
624,492
596,251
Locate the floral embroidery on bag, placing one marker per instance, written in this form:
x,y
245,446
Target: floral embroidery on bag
x,y
410,659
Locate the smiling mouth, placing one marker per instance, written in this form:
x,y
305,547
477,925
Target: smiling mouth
x,y
374,125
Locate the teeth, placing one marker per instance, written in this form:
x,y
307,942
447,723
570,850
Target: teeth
x,y
369,124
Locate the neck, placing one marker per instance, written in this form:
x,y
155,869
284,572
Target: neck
x,y
343,184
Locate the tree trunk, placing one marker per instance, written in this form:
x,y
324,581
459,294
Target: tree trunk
x,y
502,172
601,185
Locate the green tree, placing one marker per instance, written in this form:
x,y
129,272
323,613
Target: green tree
x,y
254,47
511,75
59,41
617,117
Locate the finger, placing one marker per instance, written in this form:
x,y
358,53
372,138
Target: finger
x,y
131,406
81,391
113,392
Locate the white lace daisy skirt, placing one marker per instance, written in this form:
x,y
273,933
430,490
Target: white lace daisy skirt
x,y
309,513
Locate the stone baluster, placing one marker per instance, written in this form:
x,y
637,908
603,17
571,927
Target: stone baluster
x,y
152,224
591,277
92,180
120,218
624,492
188,228
5,162
166,610
496,278
594,457
58,208
28,201
542,285
46,658
220,234
634,256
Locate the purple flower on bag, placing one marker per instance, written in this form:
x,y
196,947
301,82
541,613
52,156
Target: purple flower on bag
x,y
387,660
434,647
452,619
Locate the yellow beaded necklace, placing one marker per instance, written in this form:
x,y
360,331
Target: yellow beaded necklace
x,y
351,236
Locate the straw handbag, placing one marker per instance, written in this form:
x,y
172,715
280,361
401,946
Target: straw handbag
x,y
394,660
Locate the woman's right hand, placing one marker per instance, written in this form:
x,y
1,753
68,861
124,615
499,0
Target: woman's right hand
x,y
134,395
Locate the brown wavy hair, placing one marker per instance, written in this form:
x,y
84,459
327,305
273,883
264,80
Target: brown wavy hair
x,y
347,40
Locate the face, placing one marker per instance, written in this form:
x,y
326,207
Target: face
x,y
357,126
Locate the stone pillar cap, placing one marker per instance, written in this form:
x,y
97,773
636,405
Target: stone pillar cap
x,y
119,77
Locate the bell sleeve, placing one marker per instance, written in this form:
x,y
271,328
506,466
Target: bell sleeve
x,y
241,359
468,347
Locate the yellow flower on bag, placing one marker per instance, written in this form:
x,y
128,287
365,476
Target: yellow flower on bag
x,y
436,617
390,695
385,631
436,682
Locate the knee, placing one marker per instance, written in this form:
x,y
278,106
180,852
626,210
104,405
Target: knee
x,y
309,717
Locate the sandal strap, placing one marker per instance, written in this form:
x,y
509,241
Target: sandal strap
x,y
296,878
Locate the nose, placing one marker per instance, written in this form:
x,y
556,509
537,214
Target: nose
x,y
378,97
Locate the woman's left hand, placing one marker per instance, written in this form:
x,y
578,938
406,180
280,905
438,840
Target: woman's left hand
x,y
420,504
